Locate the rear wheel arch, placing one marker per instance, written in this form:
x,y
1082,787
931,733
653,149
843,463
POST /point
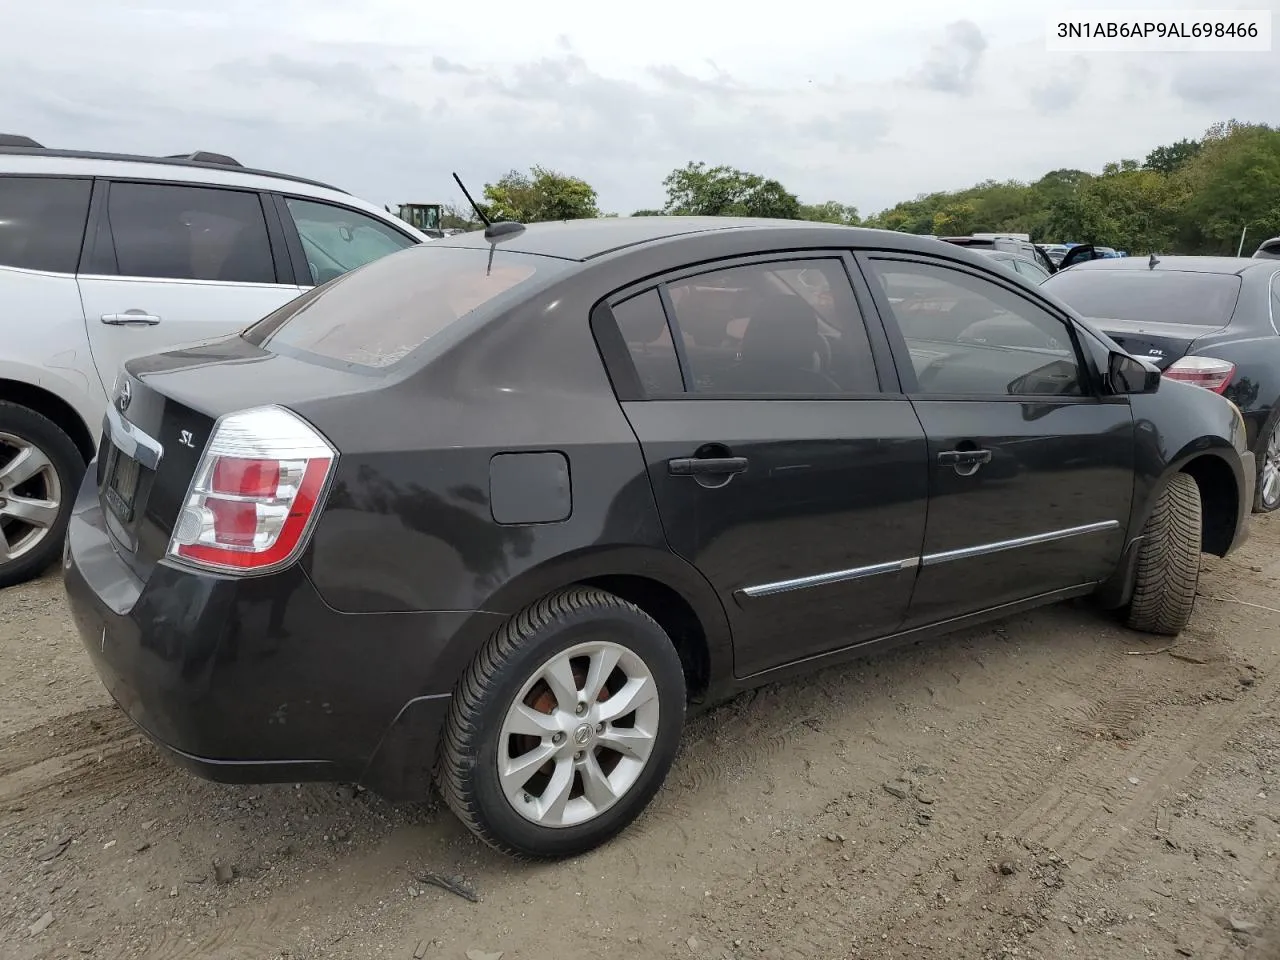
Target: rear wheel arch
x,y
52,407
662,585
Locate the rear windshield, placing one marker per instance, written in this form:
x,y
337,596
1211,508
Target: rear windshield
x,y
1149,296
376,315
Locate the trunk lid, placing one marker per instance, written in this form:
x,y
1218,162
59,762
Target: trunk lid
x,y
161,415
1161,343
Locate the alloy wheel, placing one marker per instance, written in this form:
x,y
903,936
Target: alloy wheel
x,y
578,735
1269,480
30,496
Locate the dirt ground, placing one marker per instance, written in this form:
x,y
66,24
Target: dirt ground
x,y
1051,787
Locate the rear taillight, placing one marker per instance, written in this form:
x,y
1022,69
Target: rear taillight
x,y
254,494
1208,372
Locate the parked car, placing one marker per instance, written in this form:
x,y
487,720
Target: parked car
x,y
1016,246
1269,249
1032,270
503,506
1055,251
1209,321
106,256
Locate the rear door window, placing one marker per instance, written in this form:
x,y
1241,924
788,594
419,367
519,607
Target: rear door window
x,y
336,239
376,316
189,233
781,328
42,222
643,325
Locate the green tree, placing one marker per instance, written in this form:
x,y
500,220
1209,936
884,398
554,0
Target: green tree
x,y
647,213
457,217
698,190
1170,158
1233,183
539,196
831,211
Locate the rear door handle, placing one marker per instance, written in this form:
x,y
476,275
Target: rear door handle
x,y
706,466
130,317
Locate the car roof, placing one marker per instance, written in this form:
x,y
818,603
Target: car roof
x,y
38,161
1220,265
202,160
588,239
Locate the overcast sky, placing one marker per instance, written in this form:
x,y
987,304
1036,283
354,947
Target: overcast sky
x,y
863,102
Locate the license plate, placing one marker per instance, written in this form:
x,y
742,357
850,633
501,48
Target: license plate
x,y
122,483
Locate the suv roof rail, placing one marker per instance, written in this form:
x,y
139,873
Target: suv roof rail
x,y
198,159
17,140
206,156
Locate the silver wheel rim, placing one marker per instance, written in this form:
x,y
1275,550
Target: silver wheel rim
x,y
30,497
1271,469
1270,481
578,735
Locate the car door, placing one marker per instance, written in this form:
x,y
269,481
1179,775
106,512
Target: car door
x,y
174,264
328,240
787,466
1030,466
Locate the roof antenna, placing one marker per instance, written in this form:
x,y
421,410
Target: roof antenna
x,y
1151,263
474,206
493,232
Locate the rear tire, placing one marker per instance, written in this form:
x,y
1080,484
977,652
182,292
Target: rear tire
x,y
1168,573
537,674
34,510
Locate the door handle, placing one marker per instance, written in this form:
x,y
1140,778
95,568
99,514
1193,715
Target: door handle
x,y
130,317
965,462
706,466
964,458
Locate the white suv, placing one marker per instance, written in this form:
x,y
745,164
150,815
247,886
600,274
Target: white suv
x,y
104,257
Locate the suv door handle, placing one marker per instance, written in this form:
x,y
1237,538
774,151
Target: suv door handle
x,y
706,466
130,317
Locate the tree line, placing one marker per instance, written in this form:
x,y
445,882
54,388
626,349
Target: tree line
x,y
1189,197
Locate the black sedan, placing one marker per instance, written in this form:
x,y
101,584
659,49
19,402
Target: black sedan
x,y
499,509
1210,321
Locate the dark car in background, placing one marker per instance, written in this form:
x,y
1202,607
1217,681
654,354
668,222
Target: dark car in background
x,y
1209,321
500,508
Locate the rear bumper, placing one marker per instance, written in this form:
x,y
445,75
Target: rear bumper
x,y
254,680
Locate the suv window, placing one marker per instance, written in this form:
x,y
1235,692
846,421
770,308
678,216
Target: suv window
x,y
643,325
969,336
42,222
774,329
189,233
336,240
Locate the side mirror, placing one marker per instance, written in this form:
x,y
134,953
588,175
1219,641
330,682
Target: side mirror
x,y
1126,374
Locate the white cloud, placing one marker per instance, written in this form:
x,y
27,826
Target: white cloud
x,y
854,102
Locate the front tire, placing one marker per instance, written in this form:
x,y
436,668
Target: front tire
x,y
40,472
1168,561
564,726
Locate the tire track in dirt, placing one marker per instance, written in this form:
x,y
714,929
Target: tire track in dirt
x,y
1018,732
64,735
